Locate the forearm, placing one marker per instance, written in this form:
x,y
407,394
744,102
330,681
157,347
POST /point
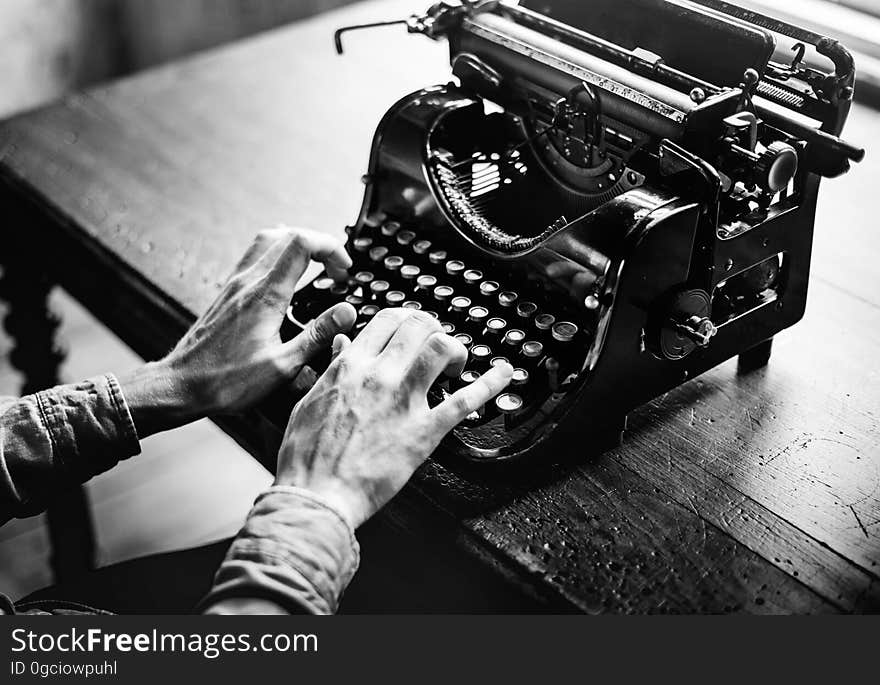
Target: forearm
x,y
159,399
295,554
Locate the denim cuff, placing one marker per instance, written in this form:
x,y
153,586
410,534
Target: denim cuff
x,y
89,426
295,549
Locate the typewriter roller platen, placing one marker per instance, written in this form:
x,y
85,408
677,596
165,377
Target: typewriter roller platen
x,y
613,209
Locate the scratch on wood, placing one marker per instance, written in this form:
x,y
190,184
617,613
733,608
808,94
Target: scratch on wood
x,y
693,416
861,525
804,440
752,419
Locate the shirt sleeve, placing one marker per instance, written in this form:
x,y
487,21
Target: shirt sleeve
x,y
60,437
294,550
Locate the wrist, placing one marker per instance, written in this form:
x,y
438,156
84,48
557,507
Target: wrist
x,y
335,496
159,399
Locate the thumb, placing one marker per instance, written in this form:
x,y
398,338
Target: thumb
x,y
317,336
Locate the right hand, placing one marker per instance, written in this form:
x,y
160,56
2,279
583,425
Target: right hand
x,y
363,429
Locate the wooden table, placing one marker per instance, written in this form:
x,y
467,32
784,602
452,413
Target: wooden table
x,y
754,493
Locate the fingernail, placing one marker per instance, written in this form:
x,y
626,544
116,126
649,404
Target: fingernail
x,y
338,316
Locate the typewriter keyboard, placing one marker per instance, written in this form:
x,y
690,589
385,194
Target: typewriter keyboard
x,y
495,313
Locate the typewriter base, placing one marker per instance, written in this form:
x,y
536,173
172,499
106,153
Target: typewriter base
x,y
755,357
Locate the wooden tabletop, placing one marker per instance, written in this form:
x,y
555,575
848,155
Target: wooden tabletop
x,y
754,493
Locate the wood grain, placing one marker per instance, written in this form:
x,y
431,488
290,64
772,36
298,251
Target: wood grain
x,y
754,493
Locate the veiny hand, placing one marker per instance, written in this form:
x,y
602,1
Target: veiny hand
x,y
364,428
233,356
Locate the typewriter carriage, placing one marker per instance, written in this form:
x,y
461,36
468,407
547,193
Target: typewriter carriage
x,y
661,200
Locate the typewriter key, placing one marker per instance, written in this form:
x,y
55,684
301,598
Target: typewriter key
x,y
379,288
532,350
506,298
433,315
545,322
339,288
405,238
394,298
520,377
354,300
472,277
454,267
393,263
409,272
489,288
364,277
448,328
526,309
469,376
514,337
323,283
421,247
368,311
494,326
508,403
564,331
496,361
377,254
437,256
476,318
362,244
481,354
411,304
460,304
464,339
442,293
390,228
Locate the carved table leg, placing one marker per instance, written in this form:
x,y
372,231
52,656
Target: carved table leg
x,y
31,325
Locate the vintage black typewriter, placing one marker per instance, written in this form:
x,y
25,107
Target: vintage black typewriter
x,y
616,196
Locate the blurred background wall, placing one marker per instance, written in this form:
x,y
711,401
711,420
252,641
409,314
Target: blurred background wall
x,y
48,47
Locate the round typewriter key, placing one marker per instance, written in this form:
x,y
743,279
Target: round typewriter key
x,y
514,337
323,283
496,361
379,287
405,237
426,282
362,244
481,353
448,328
478,315
508,403
454,267
442,293
464,339
564,331
339,288
526,309
390,228
421,246
545,321
460,304
495,325
519,377
532,349
393,263
433,315
506,298
489,288
368,311
409,272
377,254
394,298
472,276
411,304
364,277
354,300
469,376
437,256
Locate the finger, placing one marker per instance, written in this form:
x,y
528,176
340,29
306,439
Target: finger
x,y
453,410
303,245
406,344
340,342
439,353
376,334
318,335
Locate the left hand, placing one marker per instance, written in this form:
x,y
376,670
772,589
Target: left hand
x,y
233,356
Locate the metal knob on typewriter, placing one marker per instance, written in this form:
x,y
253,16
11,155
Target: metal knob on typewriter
x,y
776,166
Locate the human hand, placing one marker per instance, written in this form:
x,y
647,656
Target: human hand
x,y
233,355
363,429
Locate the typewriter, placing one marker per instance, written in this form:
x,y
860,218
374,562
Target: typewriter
x,y
613,196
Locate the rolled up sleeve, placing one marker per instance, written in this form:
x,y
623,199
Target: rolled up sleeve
x,y
60,437
294,550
